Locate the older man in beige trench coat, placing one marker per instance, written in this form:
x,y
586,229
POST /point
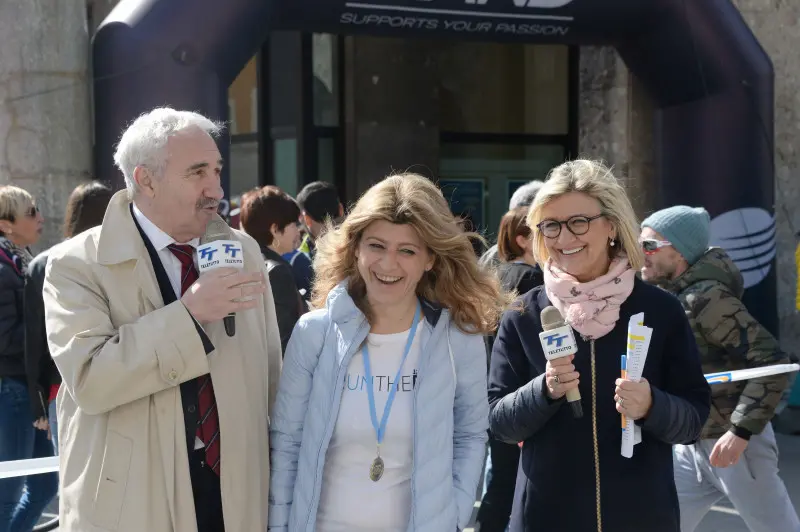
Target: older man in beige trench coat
x,y
133,341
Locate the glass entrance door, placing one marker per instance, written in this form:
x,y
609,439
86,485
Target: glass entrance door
x,y
479,179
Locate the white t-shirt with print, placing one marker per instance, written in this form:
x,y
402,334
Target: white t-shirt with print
x,y
350,501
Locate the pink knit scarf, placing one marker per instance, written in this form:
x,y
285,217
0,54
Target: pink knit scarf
x,y
590,308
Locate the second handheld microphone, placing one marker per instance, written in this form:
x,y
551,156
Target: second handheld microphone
x,y
558,341
219,253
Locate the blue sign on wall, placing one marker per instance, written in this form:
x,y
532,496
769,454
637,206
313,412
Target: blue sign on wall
x,y
466,199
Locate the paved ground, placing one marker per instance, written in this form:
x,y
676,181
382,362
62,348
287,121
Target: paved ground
x,y
723,518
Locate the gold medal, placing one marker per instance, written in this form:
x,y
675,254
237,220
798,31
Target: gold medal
x,y
376,469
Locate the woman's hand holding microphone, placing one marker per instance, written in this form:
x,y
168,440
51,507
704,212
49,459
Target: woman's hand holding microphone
x,y
560,377
633,399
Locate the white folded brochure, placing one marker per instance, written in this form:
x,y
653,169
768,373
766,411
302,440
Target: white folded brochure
x,y
638,343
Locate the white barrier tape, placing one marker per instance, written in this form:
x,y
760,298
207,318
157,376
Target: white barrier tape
x,y
753,373
23,468
36,466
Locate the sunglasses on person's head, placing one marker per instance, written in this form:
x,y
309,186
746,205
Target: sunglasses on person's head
x,y
577,225
651,245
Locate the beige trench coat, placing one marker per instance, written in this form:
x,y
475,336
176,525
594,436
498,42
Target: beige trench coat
x,y
123,355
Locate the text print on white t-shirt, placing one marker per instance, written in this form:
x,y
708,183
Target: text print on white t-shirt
x,y
350,501
357,382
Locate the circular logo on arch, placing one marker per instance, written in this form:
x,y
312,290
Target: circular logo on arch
x,y
748,236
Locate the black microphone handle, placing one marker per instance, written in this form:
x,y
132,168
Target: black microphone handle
x,y
577,409
230,324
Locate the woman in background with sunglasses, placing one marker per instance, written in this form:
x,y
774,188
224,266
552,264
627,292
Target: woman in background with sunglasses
x,y
22,499
572,476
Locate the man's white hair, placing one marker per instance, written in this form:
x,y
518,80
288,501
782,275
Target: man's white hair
x,y
524,195
144,143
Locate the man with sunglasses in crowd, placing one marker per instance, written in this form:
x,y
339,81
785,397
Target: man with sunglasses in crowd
x,y
737,455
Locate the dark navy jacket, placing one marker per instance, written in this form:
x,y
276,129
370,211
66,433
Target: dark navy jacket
x,y
556,480
12,320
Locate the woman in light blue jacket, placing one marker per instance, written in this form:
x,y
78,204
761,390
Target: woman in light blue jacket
x,y
381,416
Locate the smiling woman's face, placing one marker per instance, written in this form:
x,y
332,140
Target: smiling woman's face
x,y
392,259
584,256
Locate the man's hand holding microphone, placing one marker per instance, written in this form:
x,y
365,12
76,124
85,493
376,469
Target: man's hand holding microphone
x,y
221,292
223,288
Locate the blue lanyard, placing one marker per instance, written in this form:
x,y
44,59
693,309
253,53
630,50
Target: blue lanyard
x,y
380,430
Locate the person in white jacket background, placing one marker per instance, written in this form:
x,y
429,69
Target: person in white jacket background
x,y
382,413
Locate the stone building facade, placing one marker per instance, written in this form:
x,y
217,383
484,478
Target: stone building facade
x,y
45,114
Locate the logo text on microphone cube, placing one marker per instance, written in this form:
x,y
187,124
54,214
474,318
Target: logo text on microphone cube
x,y
231,249
207,253
558,342
557,339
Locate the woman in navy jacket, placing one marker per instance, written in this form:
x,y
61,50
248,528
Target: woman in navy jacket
x,y
572,475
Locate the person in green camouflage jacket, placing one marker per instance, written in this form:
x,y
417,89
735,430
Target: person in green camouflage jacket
x,y
737,453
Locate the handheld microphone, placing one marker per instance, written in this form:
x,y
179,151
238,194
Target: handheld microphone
x,y
558,341
217,252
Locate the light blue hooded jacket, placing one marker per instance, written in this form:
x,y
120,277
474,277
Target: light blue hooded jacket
x,y
450,416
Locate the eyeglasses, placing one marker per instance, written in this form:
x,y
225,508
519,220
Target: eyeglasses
x,y
577,225
651,245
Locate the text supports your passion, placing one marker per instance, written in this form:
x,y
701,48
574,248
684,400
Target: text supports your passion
x,y
459,26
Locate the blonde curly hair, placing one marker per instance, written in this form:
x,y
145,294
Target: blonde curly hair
x,y
473,296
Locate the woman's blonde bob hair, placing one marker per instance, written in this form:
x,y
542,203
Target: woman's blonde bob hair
x,y
14,201
472,295
594,179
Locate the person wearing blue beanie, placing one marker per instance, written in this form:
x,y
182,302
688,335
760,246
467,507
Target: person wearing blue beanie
x,y
686,228
737,443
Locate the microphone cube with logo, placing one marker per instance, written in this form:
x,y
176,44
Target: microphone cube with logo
x,y
220,254
558,341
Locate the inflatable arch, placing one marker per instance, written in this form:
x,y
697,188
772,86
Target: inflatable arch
x,y
710,80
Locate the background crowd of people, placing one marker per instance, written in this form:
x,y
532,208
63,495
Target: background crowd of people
x,y
375,355
29,380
